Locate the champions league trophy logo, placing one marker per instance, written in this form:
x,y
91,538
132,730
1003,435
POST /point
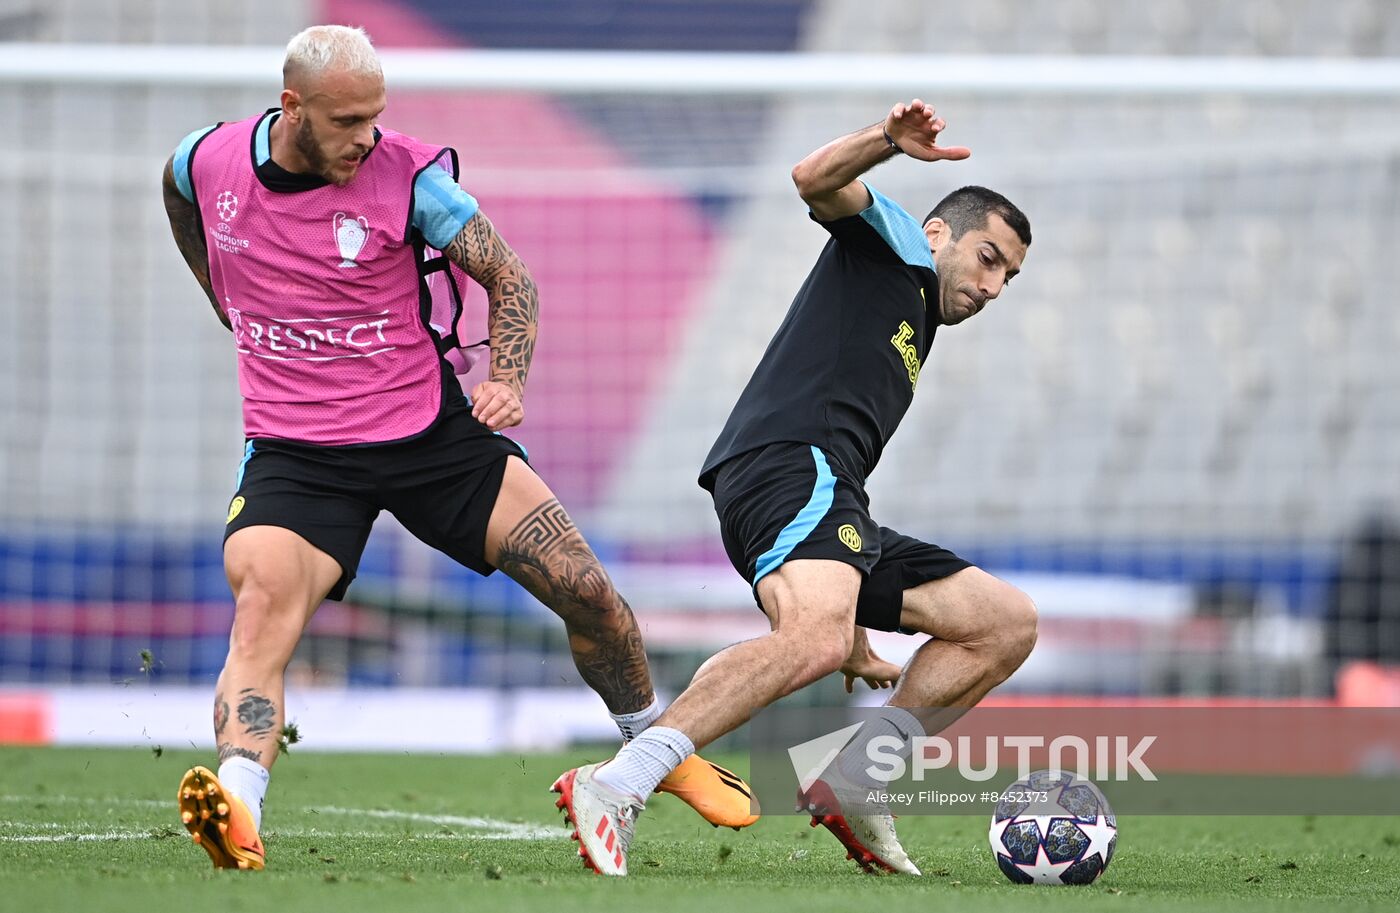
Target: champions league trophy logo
x,y
350,236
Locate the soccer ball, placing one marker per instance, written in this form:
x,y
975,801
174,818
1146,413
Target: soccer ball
x,y
1053,828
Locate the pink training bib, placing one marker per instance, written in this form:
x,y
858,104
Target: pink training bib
x,y
322,287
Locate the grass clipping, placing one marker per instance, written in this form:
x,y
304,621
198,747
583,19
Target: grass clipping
x,y
289,737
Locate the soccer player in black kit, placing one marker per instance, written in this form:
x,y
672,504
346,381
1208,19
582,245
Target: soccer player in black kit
x,y
788,479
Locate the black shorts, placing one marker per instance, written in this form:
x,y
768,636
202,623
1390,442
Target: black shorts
x,y
441,485
786,501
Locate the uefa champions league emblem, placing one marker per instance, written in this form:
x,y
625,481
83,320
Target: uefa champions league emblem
x,y
350,236
227,205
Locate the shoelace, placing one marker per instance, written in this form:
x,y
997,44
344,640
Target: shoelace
x,y
627,825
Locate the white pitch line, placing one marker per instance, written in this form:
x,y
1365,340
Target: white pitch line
x,y
505,830
88,800
73,838
494,828
77,837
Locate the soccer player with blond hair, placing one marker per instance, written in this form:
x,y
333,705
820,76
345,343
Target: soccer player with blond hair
x,y
335,252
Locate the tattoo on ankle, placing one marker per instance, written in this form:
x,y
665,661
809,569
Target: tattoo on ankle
x,y
220,714
546,554
227,751
257,714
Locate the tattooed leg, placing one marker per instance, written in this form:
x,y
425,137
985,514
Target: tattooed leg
x,y
251,727
259,722
540,548
278,580
226,748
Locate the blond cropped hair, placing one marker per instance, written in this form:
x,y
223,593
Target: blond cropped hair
x,y
320,48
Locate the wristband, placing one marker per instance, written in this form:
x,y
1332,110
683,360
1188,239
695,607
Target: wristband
x,y
893,145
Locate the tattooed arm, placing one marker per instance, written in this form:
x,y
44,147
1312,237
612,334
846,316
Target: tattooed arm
x,y
513,318
184,225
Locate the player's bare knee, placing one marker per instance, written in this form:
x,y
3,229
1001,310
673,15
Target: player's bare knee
x,y
1017,622
586,598
828,648
265,629
598,595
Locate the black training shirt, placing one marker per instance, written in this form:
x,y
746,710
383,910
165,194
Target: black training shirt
x,y
841,370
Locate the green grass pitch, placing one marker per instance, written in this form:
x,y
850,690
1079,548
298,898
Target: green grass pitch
x,y
95,829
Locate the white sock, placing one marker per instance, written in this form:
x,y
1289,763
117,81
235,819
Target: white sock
x,y
645,761
893,721
632,725
248,781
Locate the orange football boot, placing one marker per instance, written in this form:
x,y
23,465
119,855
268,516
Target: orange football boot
x,y
720,796
219,821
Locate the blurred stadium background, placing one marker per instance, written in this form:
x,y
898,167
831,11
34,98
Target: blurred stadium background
x,y
1179,430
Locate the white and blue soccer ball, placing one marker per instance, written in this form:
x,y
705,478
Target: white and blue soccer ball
x,y
1053,828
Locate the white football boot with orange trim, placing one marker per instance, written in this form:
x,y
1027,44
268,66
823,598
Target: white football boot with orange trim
x,y
870,840
604,820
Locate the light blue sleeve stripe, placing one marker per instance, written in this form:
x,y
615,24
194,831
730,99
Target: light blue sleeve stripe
x,y
440,206
823,492
181,164
262,140
243,466
901,231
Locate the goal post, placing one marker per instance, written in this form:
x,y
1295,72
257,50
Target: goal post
x,y
727,73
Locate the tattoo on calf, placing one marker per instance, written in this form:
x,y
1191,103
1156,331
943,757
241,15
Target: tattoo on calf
x,y
257,714
614,664
227,751
546,554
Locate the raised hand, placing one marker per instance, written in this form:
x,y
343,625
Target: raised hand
x,y
915,127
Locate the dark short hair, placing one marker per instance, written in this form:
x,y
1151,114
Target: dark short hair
x,y
967,208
